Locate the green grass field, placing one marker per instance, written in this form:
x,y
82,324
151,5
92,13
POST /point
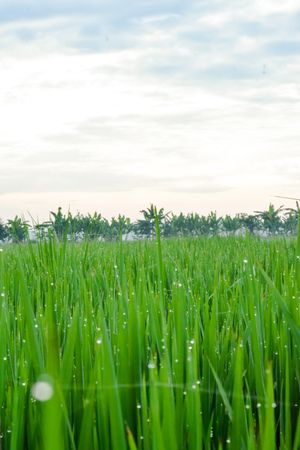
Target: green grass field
x,y
180,344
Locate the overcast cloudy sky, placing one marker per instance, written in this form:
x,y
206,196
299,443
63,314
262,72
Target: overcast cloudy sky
x,y
109,105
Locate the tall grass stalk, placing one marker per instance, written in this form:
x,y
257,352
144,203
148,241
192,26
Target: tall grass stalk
x,y
168,344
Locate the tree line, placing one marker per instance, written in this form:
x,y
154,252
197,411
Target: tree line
x,y
272,221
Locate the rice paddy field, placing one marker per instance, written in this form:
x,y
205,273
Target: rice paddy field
x,y
151,345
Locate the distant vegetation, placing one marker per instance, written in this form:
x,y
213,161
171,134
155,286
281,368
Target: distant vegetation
x,y
280,221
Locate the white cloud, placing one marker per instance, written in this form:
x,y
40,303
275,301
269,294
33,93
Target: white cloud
x,y
269,7
166,115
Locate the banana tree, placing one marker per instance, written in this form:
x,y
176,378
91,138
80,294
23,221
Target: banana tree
x,y
119,226
250,222
270,219
18,229
146,226
176,225
291,218
59,223
231,224
95,226
213,223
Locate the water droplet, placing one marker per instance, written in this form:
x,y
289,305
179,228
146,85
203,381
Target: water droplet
x,y
151,365
42,391
99,341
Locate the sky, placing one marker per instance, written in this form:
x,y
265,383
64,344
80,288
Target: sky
x,y
110,105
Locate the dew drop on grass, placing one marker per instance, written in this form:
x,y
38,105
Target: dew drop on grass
x,y
274,405
99,341
139,406
151,365
42,391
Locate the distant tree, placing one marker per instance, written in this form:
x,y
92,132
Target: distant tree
x,y
195,224
146,226
213,223
3,231
291,217
270,219
231,224
17,229
59,222
119,226
94,226
250,222
176,225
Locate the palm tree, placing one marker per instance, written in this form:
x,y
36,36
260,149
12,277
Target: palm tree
x,y
176,225
231,224
59,222
119,226
250,222
213,222
270,219
291,219
18,229
95,226
146,226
